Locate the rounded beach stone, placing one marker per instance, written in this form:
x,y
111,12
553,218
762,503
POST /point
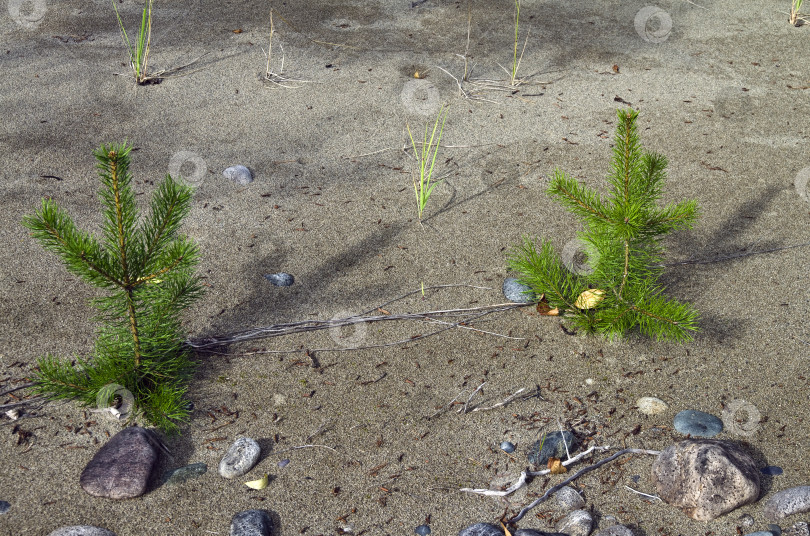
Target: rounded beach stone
x,y
81,530
649,405
180,475
240,457
553,446
422,530
697,423
517,292
615,530
577,523
239,174
280,279
123,467
251,523
705,478
569,499
788,502
4,506
481,529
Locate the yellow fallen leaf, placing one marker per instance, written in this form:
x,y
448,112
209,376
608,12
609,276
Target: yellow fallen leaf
x,y
589,299
556,467
258,484
505,530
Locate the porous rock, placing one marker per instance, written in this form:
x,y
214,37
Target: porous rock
x,y
705,478
81,530
615,530
123,467
649,405
798,529
251,523
788,502
481,529
577,523
240,457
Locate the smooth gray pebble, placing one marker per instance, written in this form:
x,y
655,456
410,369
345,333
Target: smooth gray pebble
x,y
517,292
697,423
280,279
239,174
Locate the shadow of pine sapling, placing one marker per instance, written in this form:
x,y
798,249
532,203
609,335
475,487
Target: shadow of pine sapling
x,y
622,235
148,270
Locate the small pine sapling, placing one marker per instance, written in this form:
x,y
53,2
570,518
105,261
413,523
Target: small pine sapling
x,y
622,237
147,268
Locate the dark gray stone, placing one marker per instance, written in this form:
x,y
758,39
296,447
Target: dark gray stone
x,y
481,529
4,506
251,523
553,447
239,174
705,478
697,423
123,467
81,530
280,279
240,457
182,474
788,502
422,530
517,292
532,532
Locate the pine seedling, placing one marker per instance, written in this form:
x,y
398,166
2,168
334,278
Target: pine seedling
x,y
622,236
147,270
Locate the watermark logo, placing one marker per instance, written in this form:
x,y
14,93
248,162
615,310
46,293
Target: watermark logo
x,y
350,331
801,183
116,399
421,97
27,13
653,24
180,163
741,417
578,257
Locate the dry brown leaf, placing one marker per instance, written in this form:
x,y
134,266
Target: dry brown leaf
x,y
545,309
590,299
556,467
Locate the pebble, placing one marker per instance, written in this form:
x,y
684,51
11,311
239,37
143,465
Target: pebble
x,y
280,279
422,530
649,405
615,530
283,463
517,292
81,530
788,502
240,458
772,470
553,446
577,523
746,520
506,446
775,529
4,506
569,499
182,474
239,174
481,529
251,523
697,423
760,533
798,529
705,478
122,468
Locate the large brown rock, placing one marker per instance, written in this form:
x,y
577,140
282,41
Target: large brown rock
x,y
123,467
705,478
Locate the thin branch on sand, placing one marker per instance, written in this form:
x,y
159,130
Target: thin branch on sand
x,y
271,76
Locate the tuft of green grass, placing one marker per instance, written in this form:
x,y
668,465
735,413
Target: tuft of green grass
x,y
795,15
139,52
427,160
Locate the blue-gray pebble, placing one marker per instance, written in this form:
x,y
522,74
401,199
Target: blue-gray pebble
x,y
772,470
481,529
516,292
180,475
4,506
553,446
239,174
697,423
422,530
760,533
776,529
251,523
506,446
280,279
283,463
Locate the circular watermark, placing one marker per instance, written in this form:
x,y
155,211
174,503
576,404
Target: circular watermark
x,y
653,24
579,257
344,339
27,13
178,163
420,96
741,417
801,184
116,399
